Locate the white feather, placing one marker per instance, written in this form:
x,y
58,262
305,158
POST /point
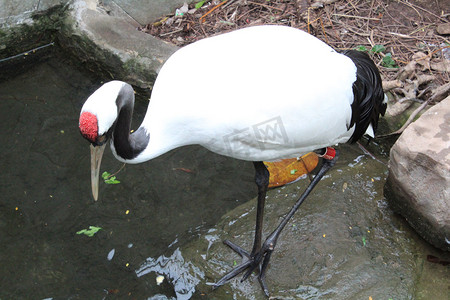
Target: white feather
x,y
370,131
104,100
228,91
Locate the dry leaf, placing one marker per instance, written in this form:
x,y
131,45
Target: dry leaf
x,y
289,170
442,66
344,186
422,59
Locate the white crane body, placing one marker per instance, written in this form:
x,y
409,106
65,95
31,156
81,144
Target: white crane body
x,y
261,93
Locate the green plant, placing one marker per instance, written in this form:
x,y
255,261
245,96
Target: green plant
x,y
109,179
361,48
89,232
387,61
199,4
378,49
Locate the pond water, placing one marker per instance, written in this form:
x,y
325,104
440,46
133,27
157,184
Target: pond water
x,y
46,195
165,211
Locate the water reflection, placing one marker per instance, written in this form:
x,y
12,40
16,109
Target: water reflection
x,y
182,275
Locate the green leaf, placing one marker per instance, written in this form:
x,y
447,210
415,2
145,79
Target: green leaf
x,y
89,232
378,49
109,179
112,180
388,62
364,240
200,4
293,171
361,48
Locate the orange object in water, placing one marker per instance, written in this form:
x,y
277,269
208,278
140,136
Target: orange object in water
x,y
289,170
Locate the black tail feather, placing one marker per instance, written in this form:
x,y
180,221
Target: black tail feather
x,y
368,102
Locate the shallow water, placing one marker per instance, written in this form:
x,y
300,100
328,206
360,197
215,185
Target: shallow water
x,y
46,197
343,243
160,220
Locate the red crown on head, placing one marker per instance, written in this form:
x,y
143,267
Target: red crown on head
x,y
89,126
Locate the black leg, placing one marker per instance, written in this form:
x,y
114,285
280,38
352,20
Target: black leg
x,y
262,181
262,256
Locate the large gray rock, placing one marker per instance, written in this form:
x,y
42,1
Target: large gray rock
x,y
418,185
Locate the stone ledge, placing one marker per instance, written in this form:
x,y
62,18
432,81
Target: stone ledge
x,y
113,44
107,43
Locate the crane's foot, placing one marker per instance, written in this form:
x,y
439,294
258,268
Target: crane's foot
x,y
251,262
259,259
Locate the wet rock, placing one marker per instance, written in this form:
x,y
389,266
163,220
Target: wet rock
x,y
418,186
343,243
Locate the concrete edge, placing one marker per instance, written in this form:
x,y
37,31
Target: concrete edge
x,y
106,44
113,44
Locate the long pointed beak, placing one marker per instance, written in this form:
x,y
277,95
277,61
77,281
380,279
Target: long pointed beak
x,y
96,160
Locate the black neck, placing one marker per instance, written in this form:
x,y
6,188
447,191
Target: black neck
x,y
128,146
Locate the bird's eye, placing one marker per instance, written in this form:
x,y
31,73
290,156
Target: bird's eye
x,y
101,140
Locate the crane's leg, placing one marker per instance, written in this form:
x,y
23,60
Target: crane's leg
x,y
262,256
262,181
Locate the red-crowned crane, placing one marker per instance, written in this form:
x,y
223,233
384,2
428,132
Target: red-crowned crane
x,y
259,94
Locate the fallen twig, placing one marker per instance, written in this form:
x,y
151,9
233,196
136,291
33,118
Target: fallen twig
x,y
202,18
356,17
117,172
391,84
368,153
